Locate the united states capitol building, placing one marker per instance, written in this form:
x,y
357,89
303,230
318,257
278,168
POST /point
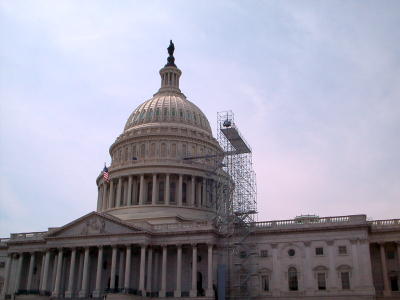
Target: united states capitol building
x,y
176,219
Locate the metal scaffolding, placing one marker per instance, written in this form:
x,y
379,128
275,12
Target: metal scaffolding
x,y
239,193
237,197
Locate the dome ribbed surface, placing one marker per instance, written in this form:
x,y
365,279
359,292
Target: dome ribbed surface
x,y
168,108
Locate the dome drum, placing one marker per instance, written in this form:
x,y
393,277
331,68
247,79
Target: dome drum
x,y
149,177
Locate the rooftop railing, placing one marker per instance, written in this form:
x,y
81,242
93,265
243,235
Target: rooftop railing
x,y
385,223
27,235
311,221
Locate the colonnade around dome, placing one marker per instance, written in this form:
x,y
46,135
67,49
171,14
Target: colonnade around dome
x,y
179,190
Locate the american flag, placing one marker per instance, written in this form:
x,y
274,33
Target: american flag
x,y
106,176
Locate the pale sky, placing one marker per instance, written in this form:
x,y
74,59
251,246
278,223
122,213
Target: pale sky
x,y
314,85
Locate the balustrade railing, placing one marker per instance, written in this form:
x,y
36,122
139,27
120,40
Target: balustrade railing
x,y
310,221
389,222
27,235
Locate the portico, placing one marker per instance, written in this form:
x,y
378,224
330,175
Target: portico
x,y
98,261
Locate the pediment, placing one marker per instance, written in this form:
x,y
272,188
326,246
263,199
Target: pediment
x,y
94,224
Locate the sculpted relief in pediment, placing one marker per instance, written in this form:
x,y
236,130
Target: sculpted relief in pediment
x,y
93,225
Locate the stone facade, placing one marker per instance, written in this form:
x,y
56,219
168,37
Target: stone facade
x,y
153,234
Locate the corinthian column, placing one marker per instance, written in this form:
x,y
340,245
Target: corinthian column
x,y
203,194
149,269
111,195
119,194
142,266
154,192
113,267
56,291
386,289
97,292
141,190
163,290
19,272
193,191
45,272
129,192
85,280
30,272
104,196
167,188
193,291
210,291
71,278
178,290
180,183
128,268
6,277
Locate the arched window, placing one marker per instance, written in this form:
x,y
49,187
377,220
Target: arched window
x,y
142,150
173,150
293,279
163,150
152,150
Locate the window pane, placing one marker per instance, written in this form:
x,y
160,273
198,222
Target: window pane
x,y
321,281
319,251
342,250
345,277
292,275
265,283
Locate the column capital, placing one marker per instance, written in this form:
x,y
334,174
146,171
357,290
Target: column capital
x,y
274,245
194,245
307,243
330,242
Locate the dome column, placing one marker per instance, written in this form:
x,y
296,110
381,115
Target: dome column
x,y
104,196
198,204
119,194
141,190
129,192
154,192
204,192
110,197
180,183
167,189
193,191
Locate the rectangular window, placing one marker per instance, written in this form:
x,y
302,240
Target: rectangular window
x,y
321,279
242,254
390,254
264,253
345,278
319,251
342,250
265,283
